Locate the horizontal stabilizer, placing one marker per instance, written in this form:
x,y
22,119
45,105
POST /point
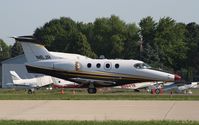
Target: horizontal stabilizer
x,y
30,39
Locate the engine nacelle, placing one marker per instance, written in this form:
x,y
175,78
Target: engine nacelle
x,y
64,66
69,65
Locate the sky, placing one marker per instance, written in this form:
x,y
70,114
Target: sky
x,y
22,17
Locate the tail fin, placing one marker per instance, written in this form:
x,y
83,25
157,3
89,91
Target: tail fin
x,y
14,76
33,49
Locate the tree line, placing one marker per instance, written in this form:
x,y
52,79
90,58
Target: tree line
x,y
164,44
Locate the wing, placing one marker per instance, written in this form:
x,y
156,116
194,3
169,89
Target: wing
x,y
96,83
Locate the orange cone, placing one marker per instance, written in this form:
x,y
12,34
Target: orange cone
x,y
62,91
74,92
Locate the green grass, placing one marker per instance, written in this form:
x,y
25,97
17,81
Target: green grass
x,y
13,122
83,95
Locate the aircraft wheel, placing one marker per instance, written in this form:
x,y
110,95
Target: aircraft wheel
x,y
29,91
157,91
137,90
92,90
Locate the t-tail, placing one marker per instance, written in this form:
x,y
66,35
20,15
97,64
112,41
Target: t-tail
x,y
33,49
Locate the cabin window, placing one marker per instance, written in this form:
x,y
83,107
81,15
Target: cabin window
x,y
117,65
89,65
98,65
137,66
108,65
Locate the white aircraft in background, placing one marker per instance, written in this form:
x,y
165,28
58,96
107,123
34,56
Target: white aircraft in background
x,y
61,83
138,86
29,84
178,87
90,72
34,83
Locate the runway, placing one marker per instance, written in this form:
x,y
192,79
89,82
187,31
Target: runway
x,y
98,110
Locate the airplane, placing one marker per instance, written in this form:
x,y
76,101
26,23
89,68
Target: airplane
x,y
28,84
90,72
186,89
138,86
178,87
34,83
60,83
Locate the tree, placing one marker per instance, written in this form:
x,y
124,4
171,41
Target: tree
x,y
54,30
101,34
79,44
4,50
147,30
192,42
150,48
116,46
16,49
131,46
104,32
86,29
58,36
171,43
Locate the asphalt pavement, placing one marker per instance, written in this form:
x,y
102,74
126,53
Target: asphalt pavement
x,y
98,110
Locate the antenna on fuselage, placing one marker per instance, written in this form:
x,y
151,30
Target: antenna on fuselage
x,y
101,57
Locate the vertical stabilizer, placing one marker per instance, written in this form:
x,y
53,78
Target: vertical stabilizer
x,y
33,49
14,75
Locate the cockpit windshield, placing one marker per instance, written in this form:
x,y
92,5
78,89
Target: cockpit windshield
x,y
142,66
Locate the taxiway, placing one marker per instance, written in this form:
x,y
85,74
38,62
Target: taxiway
x,y
98,110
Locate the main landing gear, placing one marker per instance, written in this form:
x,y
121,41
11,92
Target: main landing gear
x,y
91,89
30,91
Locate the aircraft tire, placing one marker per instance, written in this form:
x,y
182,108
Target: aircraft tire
x,y
30,91
137,90
157,91
92,90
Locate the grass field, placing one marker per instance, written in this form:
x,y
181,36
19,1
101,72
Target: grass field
x,y
6,122
83,95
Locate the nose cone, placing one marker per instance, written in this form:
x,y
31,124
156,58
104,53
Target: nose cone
x,y
177,77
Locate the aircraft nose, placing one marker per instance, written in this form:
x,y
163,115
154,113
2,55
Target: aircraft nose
x,y
177,77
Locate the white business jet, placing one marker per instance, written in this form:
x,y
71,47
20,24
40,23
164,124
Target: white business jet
x,y
90,72
28,84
